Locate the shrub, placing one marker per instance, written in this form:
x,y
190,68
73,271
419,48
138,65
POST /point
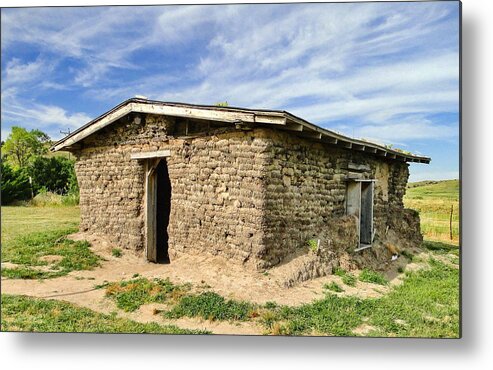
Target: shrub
x,y
15,184
54,174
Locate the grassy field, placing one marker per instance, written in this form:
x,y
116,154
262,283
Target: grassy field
x,y
17,220
32,234
435,200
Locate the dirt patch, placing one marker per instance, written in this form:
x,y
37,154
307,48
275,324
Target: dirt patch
x,y
363,329
10,265
51,258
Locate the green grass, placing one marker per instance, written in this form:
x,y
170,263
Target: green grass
x,y
346,277
425,305
30,233
374,277
333,286
441,248
116,252
434,201
20,313
130,295
28,250
211,306
19,220
447,189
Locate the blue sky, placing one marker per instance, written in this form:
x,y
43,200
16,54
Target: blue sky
x,y
387,72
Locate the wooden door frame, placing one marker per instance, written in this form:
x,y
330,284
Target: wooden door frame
x,y
150,209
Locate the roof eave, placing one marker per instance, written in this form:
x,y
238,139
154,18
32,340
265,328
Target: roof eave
x,y
281,119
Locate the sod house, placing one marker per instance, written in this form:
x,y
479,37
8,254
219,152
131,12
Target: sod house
x,y
258,187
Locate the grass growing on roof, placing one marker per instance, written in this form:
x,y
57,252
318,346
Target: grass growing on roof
x,y
20,313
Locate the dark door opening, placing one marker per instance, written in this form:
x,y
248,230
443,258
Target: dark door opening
x,y
366,222
359,202
163,208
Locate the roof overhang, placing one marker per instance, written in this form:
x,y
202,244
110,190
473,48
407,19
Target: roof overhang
x,y
279,119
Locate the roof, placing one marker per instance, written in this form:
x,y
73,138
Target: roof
x,y
279,119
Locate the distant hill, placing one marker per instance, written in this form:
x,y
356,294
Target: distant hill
x,y
445,189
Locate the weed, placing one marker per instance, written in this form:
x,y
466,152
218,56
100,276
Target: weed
x,y
271,305
333,287
374,277
346,277
210,306
313,244
130,295
400,269
116,252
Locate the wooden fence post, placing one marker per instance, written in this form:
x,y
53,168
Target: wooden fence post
x,y
451,213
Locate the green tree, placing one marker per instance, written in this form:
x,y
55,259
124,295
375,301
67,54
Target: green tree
x,y
15,184
22,146
55,174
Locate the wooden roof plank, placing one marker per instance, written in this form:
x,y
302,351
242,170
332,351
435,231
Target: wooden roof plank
x,y
281,119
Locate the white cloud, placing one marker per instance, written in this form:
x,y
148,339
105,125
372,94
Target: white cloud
x,y
402,131
48,118
17,72
46,114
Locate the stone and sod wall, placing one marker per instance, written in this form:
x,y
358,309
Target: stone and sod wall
x,y
255,197
305,196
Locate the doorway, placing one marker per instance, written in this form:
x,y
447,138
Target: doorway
x,y
158,211
359,202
